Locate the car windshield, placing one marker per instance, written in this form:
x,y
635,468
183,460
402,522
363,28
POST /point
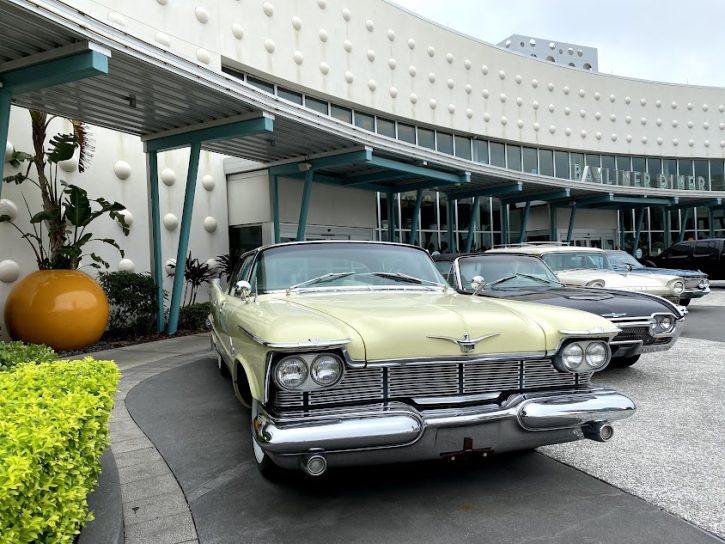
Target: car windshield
x,y
620,259
576,260
332,265
506,272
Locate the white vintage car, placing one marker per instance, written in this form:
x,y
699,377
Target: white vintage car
x,y
590,267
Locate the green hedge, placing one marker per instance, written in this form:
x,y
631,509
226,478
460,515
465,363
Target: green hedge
x,y
53,430
12,353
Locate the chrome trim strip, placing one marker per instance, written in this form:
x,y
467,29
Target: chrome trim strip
x,y
311,343
458,399
523,356
590,332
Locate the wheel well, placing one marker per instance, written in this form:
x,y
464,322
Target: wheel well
x,y
241,385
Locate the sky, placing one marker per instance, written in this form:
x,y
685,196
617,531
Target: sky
x,y
661,40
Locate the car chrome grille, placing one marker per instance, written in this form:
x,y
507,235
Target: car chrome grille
x,y
435,379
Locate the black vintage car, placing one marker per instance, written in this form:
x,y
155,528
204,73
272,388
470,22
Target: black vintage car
x,y
707,256
649,323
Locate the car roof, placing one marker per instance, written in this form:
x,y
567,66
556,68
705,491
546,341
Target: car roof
x,y
541,249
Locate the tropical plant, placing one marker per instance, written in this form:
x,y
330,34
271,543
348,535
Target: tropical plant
x,y
66,208
132,298
196,274
225,265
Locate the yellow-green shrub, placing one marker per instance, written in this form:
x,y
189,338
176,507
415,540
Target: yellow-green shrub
x,y
14,353
53,430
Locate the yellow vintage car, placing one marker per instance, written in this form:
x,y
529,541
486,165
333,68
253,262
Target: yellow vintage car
x,y
358,353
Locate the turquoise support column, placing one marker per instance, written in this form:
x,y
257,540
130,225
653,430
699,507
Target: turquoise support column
x,y
475,210
504,224
637,230
553,234
711,221
183,248
304,208
524,222
572,220
416,216
4,128
450,217
274,201
390,199
667,222
683,225
157,267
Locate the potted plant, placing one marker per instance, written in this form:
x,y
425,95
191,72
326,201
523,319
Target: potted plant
x,y
59,305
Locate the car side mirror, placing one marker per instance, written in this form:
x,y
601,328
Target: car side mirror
x,y
242,289
477,282
628,267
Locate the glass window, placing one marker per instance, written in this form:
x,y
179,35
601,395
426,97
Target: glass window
x,y
654,167
406,133
701,175
575,259
681,249
426,138
317,105
445,143
386,127
624,164
561,164
531,160
593,160
656,219
577,165
264,85
717,175
289,95
365,121
639,164
705,249
513,156
343,114
463,147
498,154
669,166
609,163
480,150
684,167
546,162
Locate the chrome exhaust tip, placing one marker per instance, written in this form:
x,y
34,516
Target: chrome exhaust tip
x,y
601,431
315,465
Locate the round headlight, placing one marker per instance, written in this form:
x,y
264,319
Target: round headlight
x,y
702,284
596,283
291,372
666,323
596,355
572,356
326,369
678,287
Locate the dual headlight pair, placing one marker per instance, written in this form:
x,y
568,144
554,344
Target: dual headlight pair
x,y
663,324
583,356
308,371
677,287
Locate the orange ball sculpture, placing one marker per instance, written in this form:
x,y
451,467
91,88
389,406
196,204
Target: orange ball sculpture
x,y
64,309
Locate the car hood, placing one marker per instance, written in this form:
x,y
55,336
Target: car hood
x,y
670,272
614,279
424,324
602,302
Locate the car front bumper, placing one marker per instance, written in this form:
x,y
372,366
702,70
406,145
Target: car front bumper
x,y
694,293
399,432
632,347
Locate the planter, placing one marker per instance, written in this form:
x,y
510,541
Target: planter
x,y
64,309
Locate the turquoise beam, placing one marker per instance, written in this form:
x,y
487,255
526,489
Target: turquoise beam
x,y
683,225
226,130
54,72
423,171
667,222
504,224
622,237
185,229
497,190
377,176
274,201
524,222
707,203
633,200
637,230
552,224
157,267
416,217
342,159
390,200
711,222
475,211
305,206
572,220
548,196
450,218
5,99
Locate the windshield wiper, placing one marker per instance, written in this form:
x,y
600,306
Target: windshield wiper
x,y
320,279
537,278
517,274
399,276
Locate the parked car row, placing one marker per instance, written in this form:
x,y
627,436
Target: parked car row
x,y
360,352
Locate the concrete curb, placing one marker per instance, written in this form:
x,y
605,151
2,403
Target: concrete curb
x,y
105,503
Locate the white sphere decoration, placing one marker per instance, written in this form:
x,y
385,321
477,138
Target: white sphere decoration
x,y
674,105
582,113
207,181
675,123
597,115
349,77
706,143
468,88
432,77
449,58
269,45
127,217
722,143
628,119
552,108
613,137
597,95
126,265
391,35
413,98
411,43
502,74
296,22
691,142
122,170
450,83
567,131
659,141
371,55
643,120
451,108
237,31
629,138
721,108
658,103
520,123
347,45
535,104
659,122
534,83
372,85
202,15
519,101
346,14
431,51
487,117
370,25
163,2
432,103
469,113
170,266
627,99
537,126
583,133
721,126
163,39
484,70
565,89
298,57
518,79
117,19
168,177
706,125
643,101
582,93
9,150
689,124
644,139
675,142
268,9
9,271
552,129
598,135
204,56
8,207
323,35
613,117
467,64
484,93
71,165
612,98
393,92
705,107
324,68
689,105
502,97
567,110
504,120
392,63
210,224
171,221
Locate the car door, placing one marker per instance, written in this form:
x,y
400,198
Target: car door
x,y
222,305
678,256
705,256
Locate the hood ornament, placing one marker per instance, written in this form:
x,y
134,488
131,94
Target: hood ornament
x,y
614,315
467,344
